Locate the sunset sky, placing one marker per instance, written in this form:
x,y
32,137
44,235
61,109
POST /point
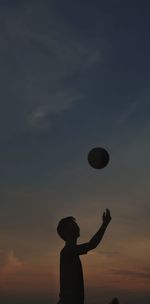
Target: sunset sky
x,y
74,75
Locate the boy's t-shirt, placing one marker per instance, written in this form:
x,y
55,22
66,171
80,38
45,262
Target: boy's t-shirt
x,y
71,274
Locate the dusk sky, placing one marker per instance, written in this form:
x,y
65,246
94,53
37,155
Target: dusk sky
x,y
74,75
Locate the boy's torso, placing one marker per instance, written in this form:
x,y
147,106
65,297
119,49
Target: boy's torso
x,y
71,276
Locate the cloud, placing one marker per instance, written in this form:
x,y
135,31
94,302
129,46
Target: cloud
x,y
62,101
23,278
133,274
39,53
11,268
138,106
128,113
72,54
9,262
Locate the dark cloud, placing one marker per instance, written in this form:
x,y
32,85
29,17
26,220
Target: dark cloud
x,y
130,273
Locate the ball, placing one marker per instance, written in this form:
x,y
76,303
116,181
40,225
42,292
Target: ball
x,y
98,158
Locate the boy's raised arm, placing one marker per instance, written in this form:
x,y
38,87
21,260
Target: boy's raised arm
x,y
96,239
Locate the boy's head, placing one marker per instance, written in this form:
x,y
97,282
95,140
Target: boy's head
x,y
68,229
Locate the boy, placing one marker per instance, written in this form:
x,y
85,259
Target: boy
x,y
71,275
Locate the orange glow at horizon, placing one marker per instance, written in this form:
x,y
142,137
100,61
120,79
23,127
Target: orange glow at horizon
x,y
101,272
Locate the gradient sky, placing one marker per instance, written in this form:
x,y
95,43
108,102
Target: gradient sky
x,y
74,75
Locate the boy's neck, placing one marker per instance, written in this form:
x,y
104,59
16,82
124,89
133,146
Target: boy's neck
x,y
71,242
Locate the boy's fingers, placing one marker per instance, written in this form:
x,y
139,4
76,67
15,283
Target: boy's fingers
x,y
108,211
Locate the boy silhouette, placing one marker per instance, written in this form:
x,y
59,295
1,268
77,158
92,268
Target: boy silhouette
x,y
71,275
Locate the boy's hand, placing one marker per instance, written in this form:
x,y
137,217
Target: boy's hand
x,y
106,217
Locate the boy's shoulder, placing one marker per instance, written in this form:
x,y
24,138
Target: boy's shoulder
x,y
67,249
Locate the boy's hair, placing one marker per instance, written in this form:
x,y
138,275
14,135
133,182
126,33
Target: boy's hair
x,y
64,226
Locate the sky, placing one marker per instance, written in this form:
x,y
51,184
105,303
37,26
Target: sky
x,y
74,75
